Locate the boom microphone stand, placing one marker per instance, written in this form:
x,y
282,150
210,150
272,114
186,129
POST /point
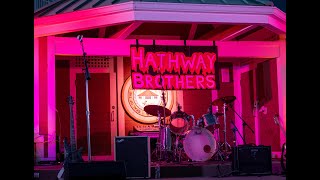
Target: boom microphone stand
x,y
244,124
87,76
234,129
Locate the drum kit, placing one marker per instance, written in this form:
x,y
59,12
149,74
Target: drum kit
x,y
182,138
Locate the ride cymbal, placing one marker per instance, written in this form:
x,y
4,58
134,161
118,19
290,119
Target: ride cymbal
x,y
221,101
154,109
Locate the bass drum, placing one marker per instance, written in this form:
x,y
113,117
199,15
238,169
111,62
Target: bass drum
x,y
199,144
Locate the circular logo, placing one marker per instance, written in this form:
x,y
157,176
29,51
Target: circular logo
x,y
134,101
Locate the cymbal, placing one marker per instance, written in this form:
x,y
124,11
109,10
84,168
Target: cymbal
x,y
221,101
153,110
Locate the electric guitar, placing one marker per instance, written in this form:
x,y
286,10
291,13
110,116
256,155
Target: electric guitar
x,y
284,146
71,153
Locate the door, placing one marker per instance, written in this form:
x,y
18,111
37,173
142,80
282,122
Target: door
x,y
247,93
101,106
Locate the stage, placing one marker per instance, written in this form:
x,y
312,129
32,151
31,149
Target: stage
x,y
218,169
135,81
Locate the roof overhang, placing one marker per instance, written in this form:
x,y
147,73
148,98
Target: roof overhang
x,y
133,11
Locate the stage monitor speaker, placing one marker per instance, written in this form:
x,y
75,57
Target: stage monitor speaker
x,y
95,170
135,152
254,160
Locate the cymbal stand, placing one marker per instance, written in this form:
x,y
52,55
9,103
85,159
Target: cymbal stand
x,y
225,143
219,152
176,153
159,145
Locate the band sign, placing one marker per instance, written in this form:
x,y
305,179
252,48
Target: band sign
x,y
177,69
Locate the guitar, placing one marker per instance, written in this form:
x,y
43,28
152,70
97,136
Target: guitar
x,y
71,153
284,146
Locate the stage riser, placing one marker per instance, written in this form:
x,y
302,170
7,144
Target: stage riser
x,y
192,171
172,171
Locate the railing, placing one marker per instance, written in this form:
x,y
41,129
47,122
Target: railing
x,y
40,3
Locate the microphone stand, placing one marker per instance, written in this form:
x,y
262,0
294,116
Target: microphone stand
x,y
87,77
234,129
244,124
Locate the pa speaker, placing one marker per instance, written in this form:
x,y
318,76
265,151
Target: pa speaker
x,y
254,160
135,152
95,170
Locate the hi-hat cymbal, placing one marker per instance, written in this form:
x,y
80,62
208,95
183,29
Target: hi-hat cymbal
x,y
154,109
221,101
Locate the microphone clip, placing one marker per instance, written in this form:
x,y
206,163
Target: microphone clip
x,y
79,37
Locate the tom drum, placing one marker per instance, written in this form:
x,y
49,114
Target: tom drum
x,y
179,122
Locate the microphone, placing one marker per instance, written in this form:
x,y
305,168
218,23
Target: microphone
x,y
79,37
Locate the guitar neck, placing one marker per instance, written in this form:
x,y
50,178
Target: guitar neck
x,y
276,120
72,133
283,131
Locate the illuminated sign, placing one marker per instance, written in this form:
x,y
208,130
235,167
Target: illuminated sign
x,y
173,68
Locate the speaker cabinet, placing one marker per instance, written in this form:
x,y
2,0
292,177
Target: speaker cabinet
x,y
255,160
135,152
95,170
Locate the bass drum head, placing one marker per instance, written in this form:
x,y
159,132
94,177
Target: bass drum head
x,y
199,144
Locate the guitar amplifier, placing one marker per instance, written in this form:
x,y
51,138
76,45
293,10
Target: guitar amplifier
x,y
254,160
135,152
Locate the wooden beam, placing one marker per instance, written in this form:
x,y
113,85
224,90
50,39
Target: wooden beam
x,y
212,33
192,31
118,47
238,32
159,12
124,33
157,37
102,32
227,32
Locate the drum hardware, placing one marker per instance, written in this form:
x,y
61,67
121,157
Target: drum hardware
x,y
177,151
211,123
179,122
225,145
163,145
224,101
179,126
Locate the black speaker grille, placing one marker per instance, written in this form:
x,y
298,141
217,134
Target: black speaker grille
x,y
252,160
135,152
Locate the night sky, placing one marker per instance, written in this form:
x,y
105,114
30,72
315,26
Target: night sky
x,y
281,4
